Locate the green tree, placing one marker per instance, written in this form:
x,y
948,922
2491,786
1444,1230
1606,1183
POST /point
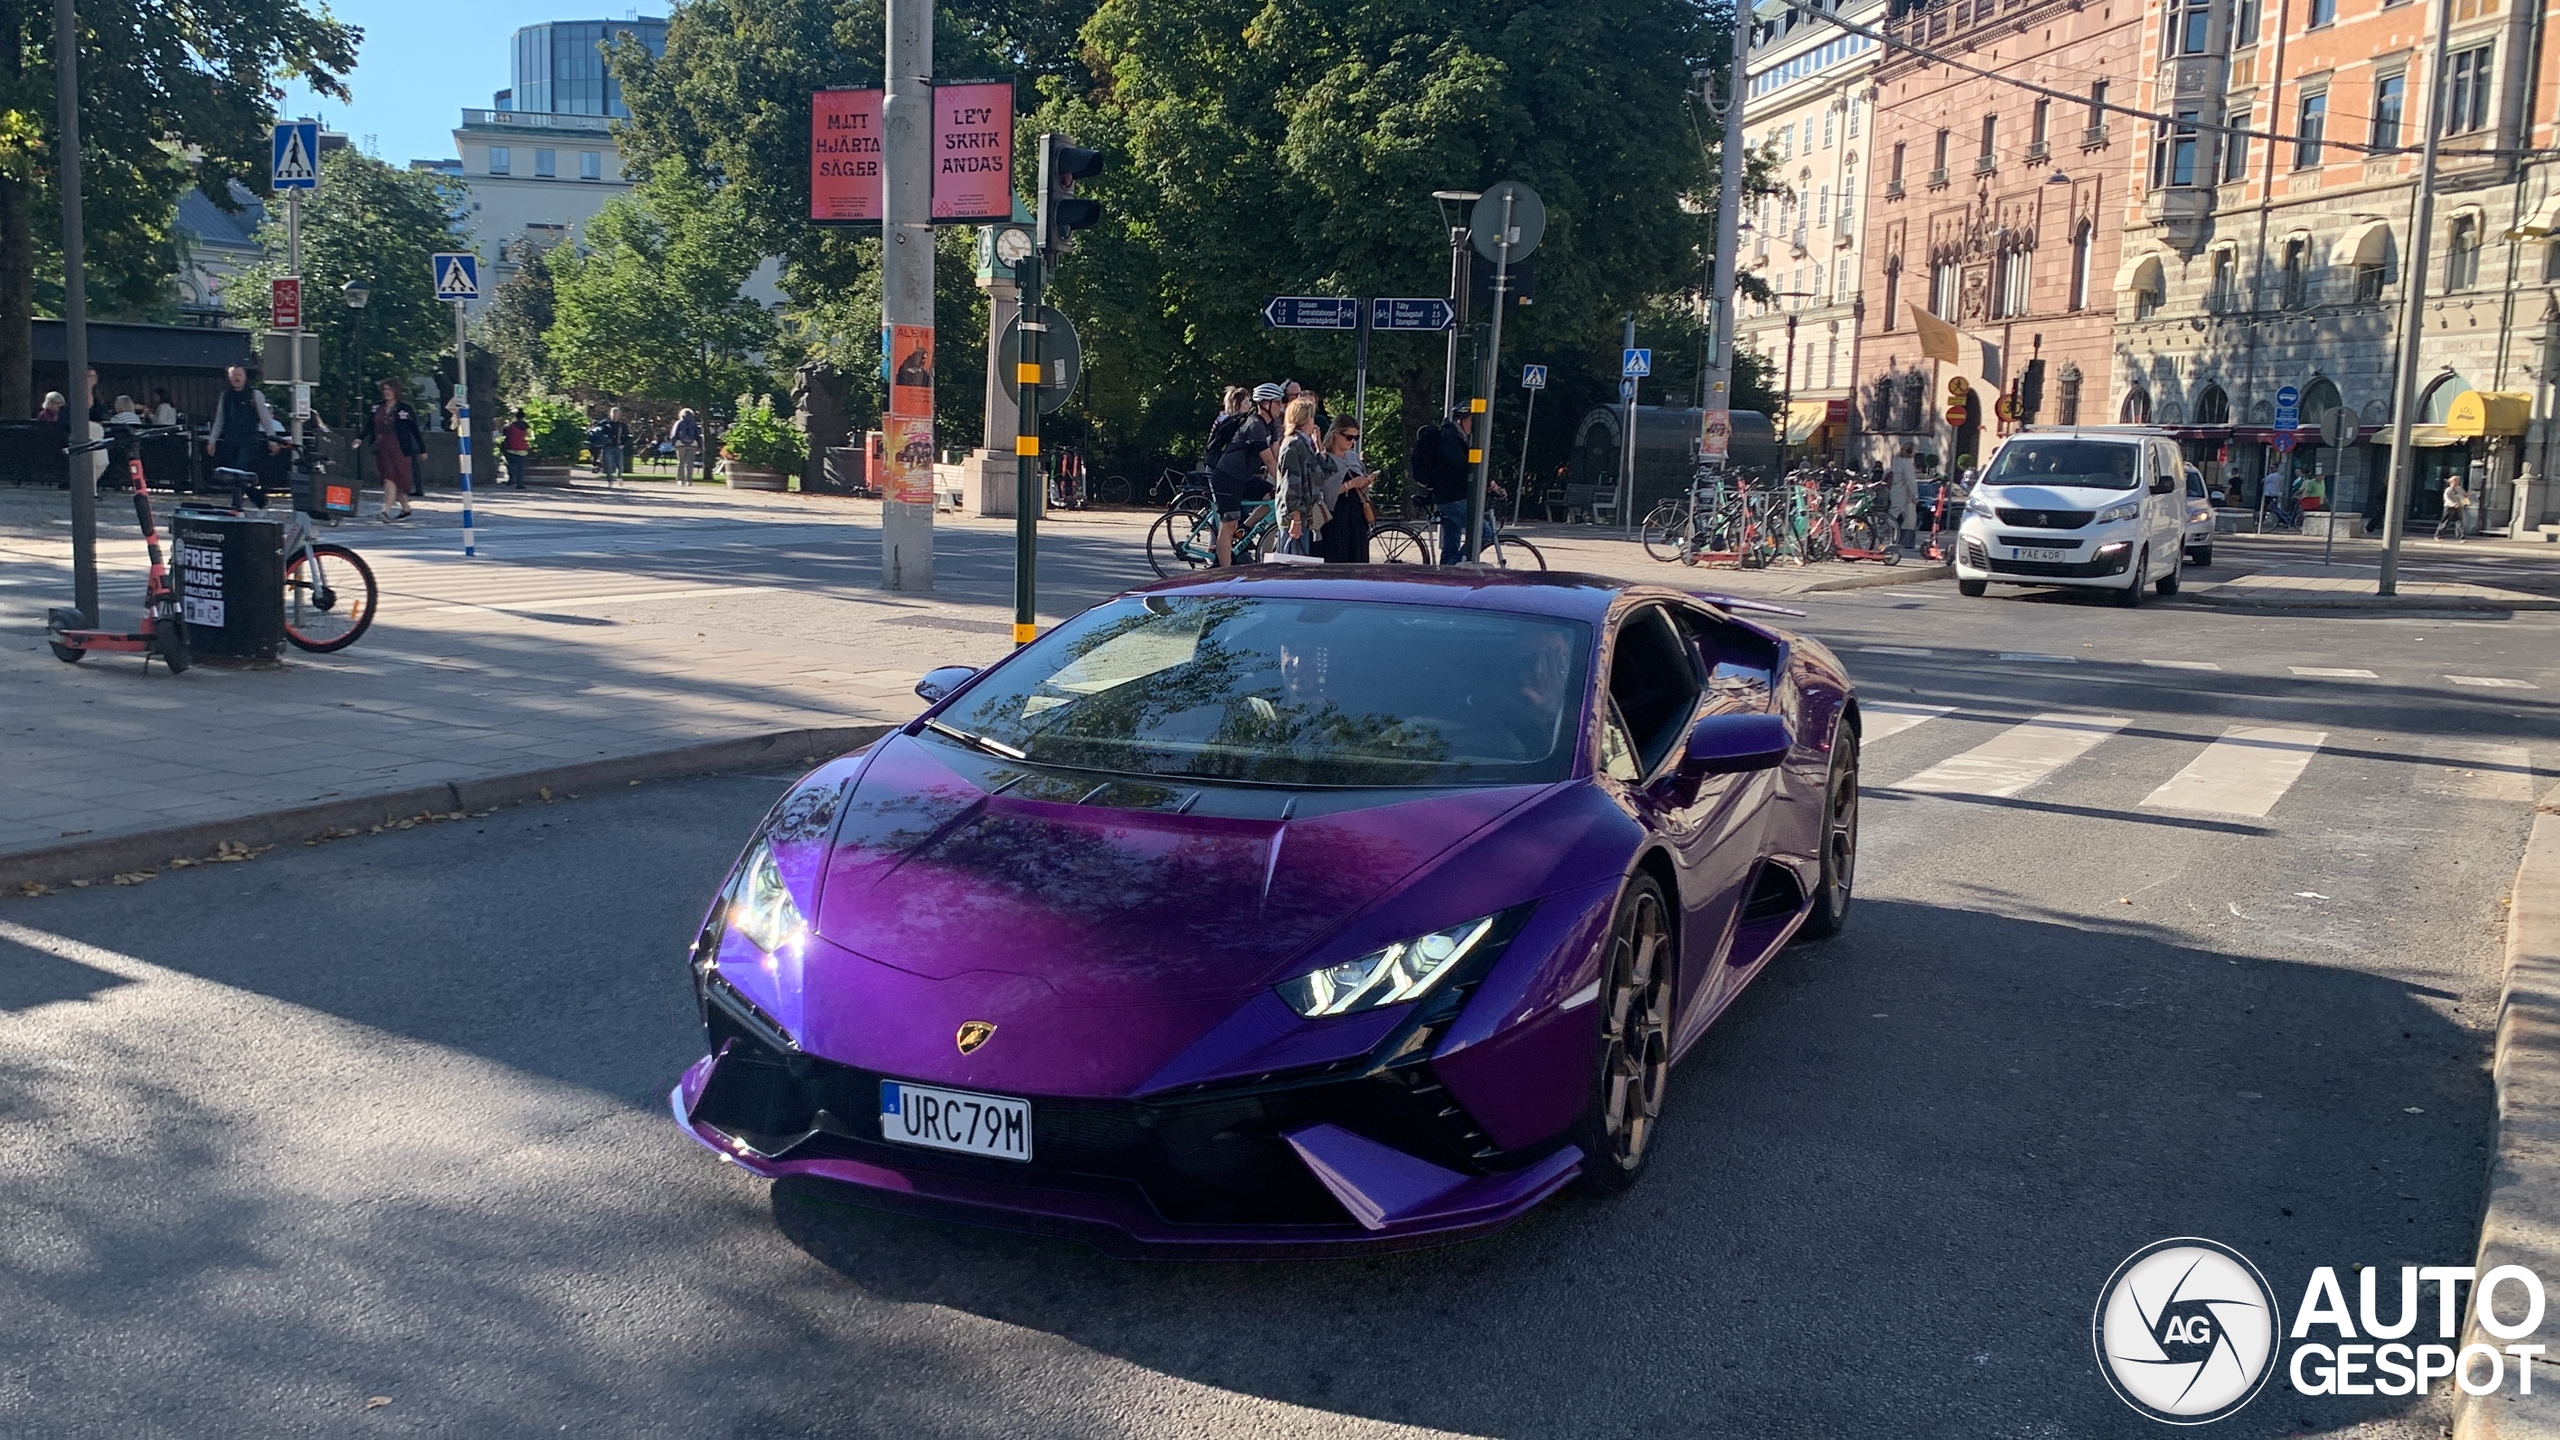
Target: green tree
x,y
648,308
516,327
368,222
173,93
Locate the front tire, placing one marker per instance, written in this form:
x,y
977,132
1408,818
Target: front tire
x,y
2168,584
1616,1133
1973,589
1830,913
2130,597
1398,544
1513,553
2201,557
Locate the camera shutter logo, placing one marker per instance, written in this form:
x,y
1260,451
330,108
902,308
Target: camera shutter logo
x,y
2186,1331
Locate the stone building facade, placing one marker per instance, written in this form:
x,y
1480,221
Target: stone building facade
x,y
1809,112
1998,210
2254,263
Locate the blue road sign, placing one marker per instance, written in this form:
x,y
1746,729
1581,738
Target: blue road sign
x,y
1633,363
1533,377
1310,312
293,159
2288,407
457,276
1431,314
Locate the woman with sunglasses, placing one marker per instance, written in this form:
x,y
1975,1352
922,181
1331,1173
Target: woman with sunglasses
x,y
1345,493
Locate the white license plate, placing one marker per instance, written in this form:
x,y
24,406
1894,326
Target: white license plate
x,y
2030,552
961,1120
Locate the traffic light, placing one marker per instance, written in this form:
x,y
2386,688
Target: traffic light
x,y
1062,211
2031,391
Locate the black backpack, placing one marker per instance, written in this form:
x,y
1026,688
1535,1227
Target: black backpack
x,y
1222,436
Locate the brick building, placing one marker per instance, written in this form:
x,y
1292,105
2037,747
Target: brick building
x,y
1998,210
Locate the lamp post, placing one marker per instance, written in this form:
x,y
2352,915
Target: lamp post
x,y
356,292
1461,280
1787,387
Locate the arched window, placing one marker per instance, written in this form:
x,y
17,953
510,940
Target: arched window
x,y
2083,243
1892,291
2462,254
2213,407
2137,407
2437,404
2068,393
2318,399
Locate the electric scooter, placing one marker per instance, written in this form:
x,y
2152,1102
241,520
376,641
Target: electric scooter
x,y
164,631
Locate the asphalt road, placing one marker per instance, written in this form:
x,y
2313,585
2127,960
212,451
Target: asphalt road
x,y
385,1117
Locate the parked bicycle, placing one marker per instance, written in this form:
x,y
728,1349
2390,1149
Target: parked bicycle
x,y
1184,539
329,591
1398,542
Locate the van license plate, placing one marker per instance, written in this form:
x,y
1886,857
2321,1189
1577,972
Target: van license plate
x,y
961,1120
2025,552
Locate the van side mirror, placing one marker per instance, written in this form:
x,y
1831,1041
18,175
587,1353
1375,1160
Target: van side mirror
x,y
941,681
1732,744
2164,484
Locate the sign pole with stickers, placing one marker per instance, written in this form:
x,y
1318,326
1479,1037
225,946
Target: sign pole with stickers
x,y
458,280
293,155
1533,378
906,297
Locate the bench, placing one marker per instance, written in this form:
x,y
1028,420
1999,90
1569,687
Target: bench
x,y
1595,503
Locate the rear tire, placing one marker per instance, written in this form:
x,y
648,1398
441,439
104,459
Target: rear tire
x,y
1514,553
169,638
1830,911
1660,532
1398,545
1167,544
328,619
1616,1132
67,654
1973,589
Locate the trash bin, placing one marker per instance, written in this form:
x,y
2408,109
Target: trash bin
x,y
230,579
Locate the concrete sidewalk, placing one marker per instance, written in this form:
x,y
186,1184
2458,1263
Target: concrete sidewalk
x,y
2352,587
594,626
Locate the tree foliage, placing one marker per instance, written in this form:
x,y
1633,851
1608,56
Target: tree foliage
x,y
648,306
371,222
517,325
173,93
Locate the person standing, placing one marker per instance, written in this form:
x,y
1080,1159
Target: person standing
x,y
1241,475
1902,495
391,430
1347,480
687,437
236,439
1452,486
2457,503
613,450
1302,475
515,445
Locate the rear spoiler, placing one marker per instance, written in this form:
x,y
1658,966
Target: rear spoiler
x,y
1736,602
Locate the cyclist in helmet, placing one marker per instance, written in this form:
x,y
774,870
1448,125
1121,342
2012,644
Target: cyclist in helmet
x,y
1242,473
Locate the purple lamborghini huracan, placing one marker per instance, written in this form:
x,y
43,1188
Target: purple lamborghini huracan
x,y
1284,911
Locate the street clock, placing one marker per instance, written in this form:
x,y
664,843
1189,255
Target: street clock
x,y
1013,244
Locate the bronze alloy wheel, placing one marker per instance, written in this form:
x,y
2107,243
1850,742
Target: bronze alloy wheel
x,y
1839,840
1635,1039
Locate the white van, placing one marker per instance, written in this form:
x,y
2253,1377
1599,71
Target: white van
x,y
2093,507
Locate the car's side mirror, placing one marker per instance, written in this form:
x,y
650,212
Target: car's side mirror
x,y
941,681
2164,484
1732,744
2218,496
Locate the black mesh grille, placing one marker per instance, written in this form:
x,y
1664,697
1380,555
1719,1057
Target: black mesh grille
x,y
2047,519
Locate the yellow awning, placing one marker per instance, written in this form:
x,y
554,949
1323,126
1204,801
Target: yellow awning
x,y
2421,437
2364,245
1804,417
2488,412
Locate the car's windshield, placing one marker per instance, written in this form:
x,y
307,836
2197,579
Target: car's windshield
x,y
1293,692
2080,464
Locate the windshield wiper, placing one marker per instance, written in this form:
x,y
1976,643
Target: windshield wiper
x,y
977,742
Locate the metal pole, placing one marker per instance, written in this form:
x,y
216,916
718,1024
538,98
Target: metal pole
x,y
75,318
1520,482
1719,387
1490,369
1026,449
1627,451
1787,387
293,338
1360,378
461,416
1458,278
906,262
2413,319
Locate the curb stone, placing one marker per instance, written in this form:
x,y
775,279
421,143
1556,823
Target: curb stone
x,y
2521,1222
1893,575
97,859
2315,600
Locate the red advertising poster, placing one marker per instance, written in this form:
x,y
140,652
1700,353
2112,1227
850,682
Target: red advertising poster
x,y
908,441
844,155
911,371
284,303
973,151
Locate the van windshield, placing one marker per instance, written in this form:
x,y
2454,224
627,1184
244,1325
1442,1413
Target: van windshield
x,y
2080,464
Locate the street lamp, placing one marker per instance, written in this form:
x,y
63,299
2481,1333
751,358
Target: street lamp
x,y
1787,405
356,292
1458,286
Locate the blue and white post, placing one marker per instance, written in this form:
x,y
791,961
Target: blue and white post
x,y
462,419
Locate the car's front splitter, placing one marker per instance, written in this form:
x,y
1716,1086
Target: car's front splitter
x,y
1408,1202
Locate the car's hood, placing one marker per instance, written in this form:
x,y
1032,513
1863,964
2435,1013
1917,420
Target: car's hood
x,y
2054,497
1123,894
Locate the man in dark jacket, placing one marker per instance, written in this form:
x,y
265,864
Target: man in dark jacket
x,y
242,425
1453,484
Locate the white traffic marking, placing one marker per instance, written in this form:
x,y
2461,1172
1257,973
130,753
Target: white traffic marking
x,y
2182,664
1895,650
2475,770
2017,757
2493,682
2244,773
2030,655
1886,717
2333,673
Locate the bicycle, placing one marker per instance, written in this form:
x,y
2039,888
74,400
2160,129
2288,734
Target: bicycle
x,y
320,616
1183,540
1401,542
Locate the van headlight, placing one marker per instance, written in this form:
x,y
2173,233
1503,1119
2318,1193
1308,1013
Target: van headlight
x,y
2125,511
1978,504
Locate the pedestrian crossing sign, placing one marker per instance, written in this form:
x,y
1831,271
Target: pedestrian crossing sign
x,y
293,161
1634,362
457,276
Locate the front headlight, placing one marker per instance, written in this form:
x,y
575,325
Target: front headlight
x,y
1978,504
2125,511
762,909
1403,971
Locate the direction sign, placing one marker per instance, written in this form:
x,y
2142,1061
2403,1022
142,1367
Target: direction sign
x,y
2338,428
284,302
1431,314
1310,312
1533,377
2288,407
1061,360
1527,218
457,276
293,159
1635,362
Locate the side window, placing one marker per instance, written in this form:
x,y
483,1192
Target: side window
x,y
1653,685
1741,667
2195,483
2165,459
1617,752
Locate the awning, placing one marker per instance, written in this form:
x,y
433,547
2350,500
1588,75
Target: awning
x,y
1804,417
2142,272
2489,412
2421,437
2542,223
2364,245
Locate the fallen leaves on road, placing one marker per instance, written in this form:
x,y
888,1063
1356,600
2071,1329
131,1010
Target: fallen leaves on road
x,y
377,1402
137,877
31,889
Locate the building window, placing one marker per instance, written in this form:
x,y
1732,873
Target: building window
x,y
2083,243
502,159
590,165
1944,280
2173,151
1941,164
1828,121
2466,95
1853,119
2462,254
2390,93
2039,130
1844,277
2323,12
2213,407
2226,279
2015,283
1990,133
2097,104
1822,207
2369,284
2137,407
2244,24
2067,394
1892,291
2146,300
546,163
2235,149
2190,22
1848,196
1896,175
2308,126
2296,279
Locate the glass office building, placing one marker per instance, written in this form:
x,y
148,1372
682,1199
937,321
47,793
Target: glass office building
x,y
560,69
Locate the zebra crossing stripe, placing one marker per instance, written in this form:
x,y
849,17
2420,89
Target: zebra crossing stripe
x,y
2493,682
2244,773
1886,717
2017,757
2331,672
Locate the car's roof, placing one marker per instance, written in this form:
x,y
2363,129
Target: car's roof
x,y
1531,592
